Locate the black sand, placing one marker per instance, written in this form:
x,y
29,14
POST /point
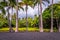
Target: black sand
x,y
30,36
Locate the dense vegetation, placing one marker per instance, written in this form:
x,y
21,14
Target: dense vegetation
x,y
56,16
22,22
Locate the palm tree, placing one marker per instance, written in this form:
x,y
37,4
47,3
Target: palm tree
x,y
9,4
27,2
40,15
18,5
41,20
4,4
9,20
51,30
16,16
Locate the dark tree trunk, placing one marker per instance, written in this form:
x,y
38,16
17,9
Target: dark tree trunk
x,y
59,27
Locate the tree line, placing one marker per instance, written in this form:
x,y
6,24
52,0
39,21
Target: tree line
x,y
15,4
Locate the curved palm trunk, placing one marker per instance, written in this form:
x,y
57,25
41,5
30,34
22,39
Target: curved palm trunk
x,y
16,17
26,20
51,30
9,20
38,14
41,20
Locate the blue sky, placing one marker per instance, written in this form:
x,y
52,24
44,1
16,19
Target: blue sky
x,y
31,12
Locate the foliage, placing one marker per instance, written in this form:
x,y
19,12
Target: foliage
x,y
3,22
47,15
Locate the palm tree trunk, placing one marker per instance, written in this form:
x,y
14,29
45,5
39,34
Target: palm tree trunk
x,y
38,16
38,9
41,20
16,17
26,20
9,21
51,30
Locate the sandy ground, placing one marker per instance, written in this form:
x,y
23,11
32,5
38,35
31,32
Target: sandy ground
x,y
29,36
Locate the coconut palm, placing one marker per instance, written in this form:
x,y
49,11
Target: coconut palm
x,y
27,2
51,30
41,21
18,5
16,16
40,2
9,4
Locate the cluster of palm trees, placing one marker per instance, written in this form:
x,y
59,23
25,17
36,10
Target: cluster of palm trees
x,y
15,4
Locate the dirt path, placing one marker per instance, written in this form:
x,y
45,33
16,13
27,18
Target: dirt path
x,y
30,36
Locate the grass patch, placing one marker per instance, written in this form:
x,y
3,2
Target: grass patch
x,y
24,29
20,29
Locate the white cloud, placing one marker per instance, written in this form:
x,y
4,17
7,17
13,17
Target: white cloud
x,y
31,12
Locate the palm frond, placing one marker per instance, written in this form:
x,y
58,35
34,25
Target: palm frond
x,y
2,9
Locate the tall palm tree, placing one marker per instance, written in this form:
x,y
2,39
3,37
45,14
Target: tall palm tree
x,y
40,2
27,2
9,20
18,5
9,4
59,21
41,20
51,30
4,3
16,16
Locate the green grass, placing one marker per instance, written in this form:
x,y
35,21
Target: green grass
x,y
20,29
24,29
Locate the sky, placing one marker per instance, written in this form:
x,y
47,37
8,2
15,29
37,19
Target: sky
x,y
31,12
